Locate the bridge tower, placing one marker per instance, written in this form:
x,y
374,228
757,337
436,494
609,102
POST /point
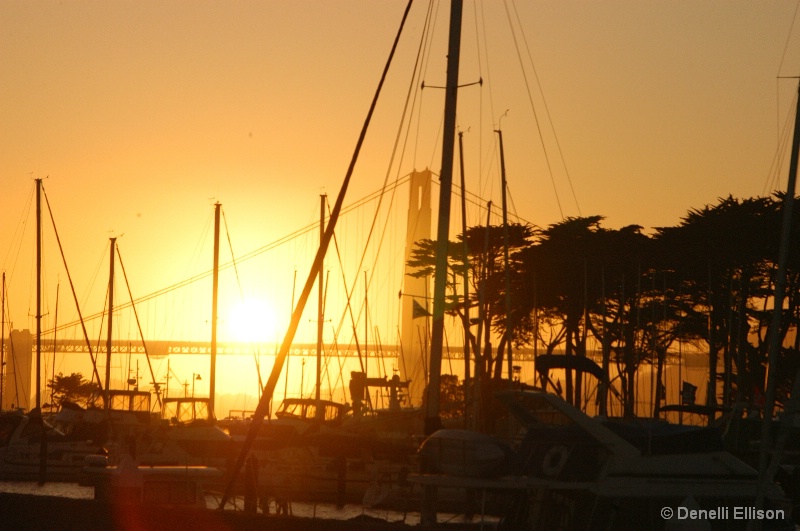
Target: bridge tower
x,y
18,371
416,291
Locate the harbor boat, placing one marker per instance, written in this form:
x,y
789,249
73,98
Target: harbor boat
x,y
31,448
309,451
571,471
26,437
192,427
329,468
127,415
184,433
298,416
464,453
398,423
176,436
295,418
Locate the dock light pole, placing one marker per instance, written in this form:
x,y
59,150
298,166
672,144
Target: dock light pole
x,y
195,377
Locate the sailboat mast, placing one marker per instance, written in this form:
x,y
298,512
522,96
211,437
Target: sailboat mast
x,y
504,184
2,341
432,419
320,309
467,360
38,293
765,468
366,327
110,321
212,378
40,420
481,350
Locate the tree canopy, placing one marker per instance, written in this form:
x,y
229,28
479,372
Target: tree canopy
x,y
73,388
707,281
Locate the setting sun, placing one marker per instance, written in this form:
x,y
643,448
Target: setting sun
x,y
252,320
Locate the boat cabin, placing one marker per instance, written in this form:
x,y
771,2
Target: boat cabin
x,y
187,410
123,402
306,409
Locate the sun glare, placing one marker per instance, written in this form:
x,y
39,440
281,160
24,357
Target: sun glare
x,y
251,321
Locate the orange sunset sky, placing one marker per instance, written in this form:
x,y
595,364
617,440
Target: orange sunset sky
x,y
139,115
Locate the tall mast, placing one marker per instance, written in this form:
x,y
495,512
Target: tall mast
x,y
320,309
504,184
765,467
467,359
38,293
482,350
366,327
432,419
2,341
40,421
110,321
212,378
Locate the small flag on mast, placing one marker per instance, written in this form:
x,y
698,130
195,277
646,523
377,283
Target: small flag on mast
x,y
419,311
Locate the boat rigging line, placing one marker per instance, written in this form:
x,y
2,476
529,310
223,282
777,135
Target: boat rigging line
x,y
18,238
247,256
348,306
408,103
422,61
546,109
74,295
772,181
156,386
241,290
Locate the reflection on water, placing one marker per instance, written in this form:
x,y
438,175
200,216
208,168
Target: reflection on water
x,y
63,490
301,509
329,511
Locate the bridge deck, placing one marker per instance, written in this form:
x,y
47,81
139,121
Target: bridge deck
x,y
158,349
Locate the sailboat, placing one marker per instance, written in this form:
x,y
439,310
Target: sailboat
x,y
180,432
320,450
191,420
30,447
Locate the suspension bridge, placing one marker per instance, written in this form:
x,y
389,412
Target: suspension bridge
x,y
159,349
